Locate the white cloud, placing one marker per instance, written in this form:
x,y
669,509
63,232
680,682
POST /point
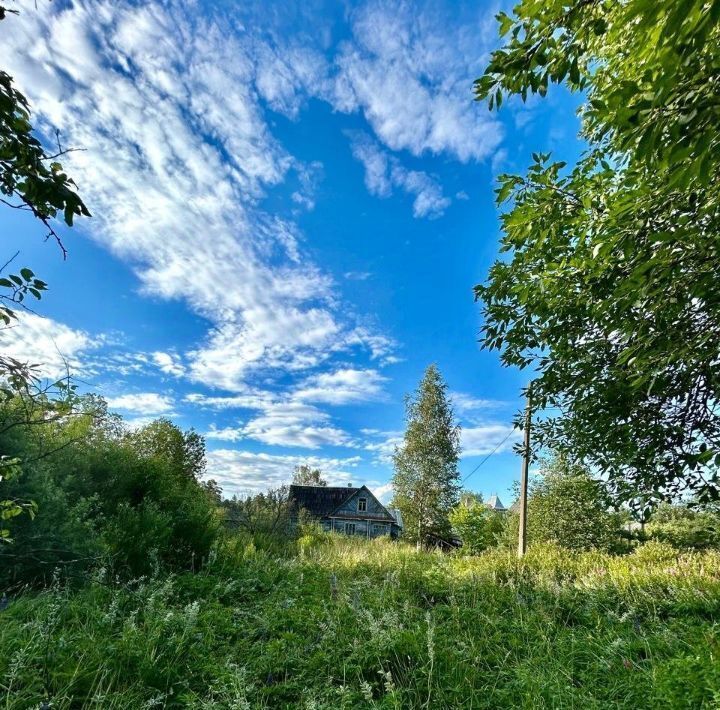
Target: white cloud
x,y
178,154
169,363
384,492
410,72
224,434
382,444
429,199
53,346
345,386
357,275
284,77
252,399
291,418
241,472
466,403
384,171
295,424
144,403
482,440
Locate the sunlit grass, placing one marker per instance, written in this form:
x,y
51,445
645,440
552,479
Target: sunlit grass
x,y
338,623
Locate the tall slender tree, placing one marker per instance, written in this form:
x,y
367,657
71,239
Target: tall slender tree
x,y
426,478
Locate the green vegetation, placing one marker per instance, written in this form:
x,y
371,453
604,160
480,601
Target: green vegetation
x,y
685,527
608,291
126,590
129,583
260,626
477,526
105,495
567,506
426,480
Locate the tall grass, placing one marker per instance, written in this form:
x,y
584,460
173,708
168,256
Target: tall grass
x,y
338,623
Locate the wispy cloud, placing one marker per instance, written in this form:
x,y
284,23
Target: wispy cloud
x,y
145,403
357,275
468,403
409,71
483,439
383,172
169,363
344,386
166,105
54,347
295,424
382,444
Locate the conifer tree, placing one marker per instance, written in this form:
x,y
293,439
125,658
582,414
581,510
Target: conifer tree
x,y
426,478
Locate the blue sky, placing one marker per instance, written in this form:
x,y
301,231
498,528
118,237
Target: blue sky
x,y
291,205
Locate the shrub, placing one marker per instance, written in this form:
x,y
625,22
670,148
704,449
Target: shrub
x,y
477,526
685,527
569,507
108,496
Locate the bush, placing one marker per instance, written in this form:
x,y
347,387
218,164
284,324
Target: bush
x,y
685,527
106,496
568,507
478,526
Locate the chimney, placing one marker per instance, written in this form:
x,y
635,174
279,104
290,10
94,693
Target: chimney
x,y
349,485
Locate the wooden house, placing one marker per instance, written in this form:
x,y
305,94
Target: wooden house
x,y
346,510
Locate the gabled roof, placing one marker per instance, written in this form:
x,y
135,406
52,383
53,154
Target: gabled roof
x,y
324,501
495,503
321,501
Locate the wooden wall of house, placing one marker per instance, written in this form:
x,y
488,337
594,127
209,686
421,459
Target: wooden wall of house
x,y
351,506
377,528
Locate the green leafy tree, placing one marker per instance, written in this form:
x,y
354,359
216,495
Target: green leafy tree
x,y
684,526
478,527
305,475
130,501
32,180
268,513
185,450
426,478
568,507
609,292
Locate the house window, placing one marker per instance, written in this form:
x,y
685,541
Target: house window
x,y
349,528
362,505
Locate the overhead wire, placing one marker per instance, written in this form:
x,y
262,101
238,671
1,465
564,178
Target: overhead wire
x,y
510,433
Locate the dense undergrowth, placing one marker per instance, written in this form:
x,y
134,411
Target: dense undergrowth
x,y
336,623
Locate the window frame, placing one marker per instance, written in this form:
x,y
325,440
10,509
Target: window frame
x,y
362,505
350,528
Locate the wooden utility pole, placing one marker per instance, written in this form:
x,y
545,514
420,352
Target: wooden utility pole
x,y
522,536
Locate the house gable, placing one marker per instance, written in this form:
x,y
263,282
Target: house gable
x,y
352,511
361,498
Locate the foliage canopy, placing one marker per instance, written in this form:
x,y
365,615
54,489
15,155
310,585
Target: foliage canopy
x,y
305,475
610,291
425,480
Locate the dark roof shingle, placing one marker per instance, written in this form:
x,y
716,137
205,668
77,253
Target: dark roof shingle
x,y
320,501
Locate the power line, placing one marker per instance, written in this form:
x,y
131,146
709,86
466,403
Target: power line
x,y
510,433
